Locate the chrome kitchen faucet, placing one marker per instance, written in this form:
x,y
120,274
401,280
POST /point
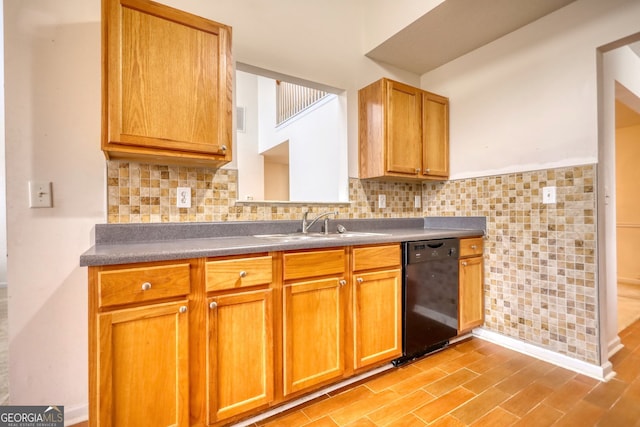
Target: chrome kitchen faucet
x,y
306,225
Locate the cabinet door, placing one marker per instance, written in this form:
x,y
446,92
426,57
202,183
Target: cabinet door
x,y
240,349
377,317
144,366
471,303
404,129
435,151
313,333
167,83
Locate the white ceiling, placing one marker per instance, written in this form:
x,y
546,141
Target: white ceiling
x,y
457,27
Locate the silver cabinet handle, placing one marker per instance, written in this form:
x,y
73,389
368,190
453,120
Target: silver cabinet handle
x,y
417,170
183,309
474,247
464,263
213,305
223,148
243,273
359,280
427,170
146,286
342,282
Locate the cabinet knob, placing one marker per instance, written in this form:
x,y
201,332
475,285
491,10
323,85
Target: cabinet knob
x,y
464,263
146,286
243,273
183,309
474,247
213,305
223,148
417,170
359,280
342,282
427,170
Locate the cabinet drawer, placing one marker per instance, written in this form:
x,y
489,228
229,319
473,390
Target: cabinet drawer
x,y
366,258
311,264
238,273
140,284
471,247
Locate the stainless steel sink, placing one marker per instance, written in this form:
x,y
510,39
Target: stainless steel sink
x,y
290,237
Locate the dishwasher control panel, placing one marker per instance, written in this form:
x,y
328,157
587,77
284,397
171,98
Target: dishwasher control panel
x,y
427,250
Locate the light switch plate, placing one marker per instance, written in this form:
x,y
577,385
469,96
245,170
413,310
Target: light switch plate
x,y
40,194
548,195
417,202
183,197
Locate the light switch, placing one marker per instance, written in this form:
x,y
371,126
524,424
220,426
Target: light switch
x,y
417,202
40,194
548,195
183,197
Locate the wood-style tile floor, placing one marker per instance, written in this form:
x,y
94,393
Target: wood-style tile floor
x,y
476,383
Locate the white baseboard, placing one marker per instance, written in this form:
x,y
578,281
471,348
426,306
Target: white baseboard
x,y
601,373
615,345
75,414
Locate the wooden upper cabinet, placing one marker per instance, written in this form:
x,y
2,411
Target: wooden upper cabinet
x,y
403,132
404,123
435,148
167,85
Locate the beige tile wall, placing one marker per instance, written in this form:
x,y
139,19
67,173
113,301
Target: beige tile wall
x,y
540,261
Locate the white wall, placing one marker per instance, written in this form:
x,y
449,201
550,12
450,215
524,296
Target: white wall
x,y
317,145
529,100
249,163
52,88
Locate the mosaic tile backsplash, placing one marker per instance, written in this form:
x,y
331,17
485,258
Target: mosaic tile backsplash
x,y
540,264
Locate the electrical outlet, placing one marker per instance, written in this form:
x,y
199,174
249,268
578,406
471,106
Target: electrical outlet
x,y
548,195
382,201
40,194
183,198
417,202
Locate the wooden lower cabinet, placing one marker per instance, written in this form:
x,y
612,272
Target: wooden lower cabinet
x,y
377,317
212,341
143,364
471,279
312,333
240,353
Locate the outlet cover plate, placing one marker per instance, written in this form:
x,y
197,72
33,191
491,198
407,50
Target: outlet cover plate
x,y
183,197
548,195
382,201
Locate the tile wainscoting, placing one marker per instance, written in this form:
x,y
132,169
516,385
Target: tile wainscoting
x,y
540,263
540,259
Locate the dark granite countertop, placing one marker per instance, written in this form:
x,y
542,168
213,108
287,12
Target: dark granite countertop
x,y
130,243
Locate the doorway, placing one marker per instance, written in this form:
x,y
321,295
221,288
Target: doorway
x,y
627,141
618,67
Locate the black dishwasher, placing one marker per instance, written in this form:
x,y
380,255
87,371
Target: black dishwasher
x,y
430,296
